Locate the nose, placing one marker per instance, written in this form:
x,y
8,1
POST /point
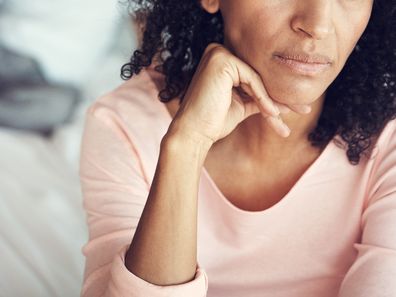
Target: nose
x,y
314,18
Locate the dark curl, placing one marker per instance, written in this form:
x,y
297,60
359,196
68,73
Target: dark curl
x,y
359,102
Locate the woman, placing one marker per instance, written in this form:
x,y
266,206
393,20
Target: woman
x,y
208,193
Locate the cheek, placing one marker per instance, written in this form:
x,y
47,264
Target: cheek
x,y
354,28
236,24
350,36
295,89
253,39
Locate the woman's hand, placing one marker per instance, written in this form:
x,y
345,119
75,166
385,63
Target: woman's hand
x,y
223,92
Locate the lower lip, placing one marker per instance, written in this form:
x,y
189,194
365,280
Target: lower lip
x,y
301,67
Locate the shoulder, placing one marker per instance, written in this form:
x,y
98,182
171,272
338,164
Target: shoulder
x,y
382,178
386,141
135,114
134,106
133,99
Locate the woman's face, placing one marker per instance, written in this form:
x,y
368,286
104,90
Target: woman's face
x,y
258,30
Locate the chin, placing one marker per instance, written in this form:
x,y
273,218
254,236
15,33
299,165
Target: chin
x,y
297,94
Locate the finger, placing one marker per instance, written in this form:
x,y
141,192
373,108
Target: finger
x,y
259,94
242,94
250,108
249,104
279,126
211,46
283,107
250,82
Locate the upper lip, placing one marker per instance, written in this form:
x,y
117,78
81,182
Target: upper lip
x,y
304,57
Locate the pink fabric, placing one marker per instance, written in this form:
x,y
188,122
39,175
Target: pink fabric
x,y
333,234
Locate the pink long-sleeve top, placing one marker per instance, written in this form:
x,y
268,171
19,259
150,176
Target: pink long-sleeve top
x,y
333,234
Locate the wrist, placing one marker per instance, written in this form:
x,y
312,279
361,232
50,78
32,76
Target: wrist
x,y
180,133
185,141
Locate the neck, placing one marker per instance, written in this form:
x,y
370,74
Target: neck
x,y
256,140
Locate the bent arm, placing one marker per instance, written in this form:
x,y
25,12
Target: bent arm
x,y
115,191
164,248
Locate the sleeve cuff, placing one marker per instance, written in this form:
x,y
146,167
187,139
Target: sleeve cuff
x,y
125,283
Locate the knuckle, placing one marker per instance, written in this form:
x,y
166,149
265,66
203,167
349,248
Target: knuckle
x,y
260,99
226,69
249,76
216,55
211,46
220,62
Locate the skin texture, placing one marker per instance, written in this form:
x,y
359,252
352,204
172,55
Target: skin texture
x,y
327,27
330,28
163,250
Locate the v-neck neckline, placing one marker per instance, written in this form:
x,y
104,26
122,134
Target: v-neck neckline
x,y
297,185
239,211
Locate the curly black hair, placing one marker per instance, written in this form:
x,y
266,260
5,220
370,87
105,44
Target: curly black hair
x,y
359,102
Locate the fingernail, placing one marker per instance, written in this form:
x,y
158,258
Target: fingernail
x,y
286,130
307,109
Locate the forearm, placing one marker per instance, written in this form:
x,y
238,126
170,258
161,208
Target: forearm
x,y
163,250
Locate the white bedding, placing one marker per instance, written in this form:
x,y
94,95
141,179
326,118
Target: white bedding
x,y
42,224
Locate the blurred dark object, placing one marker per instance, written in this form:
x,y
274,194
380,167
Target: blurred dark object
x,y
27,100
16,68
